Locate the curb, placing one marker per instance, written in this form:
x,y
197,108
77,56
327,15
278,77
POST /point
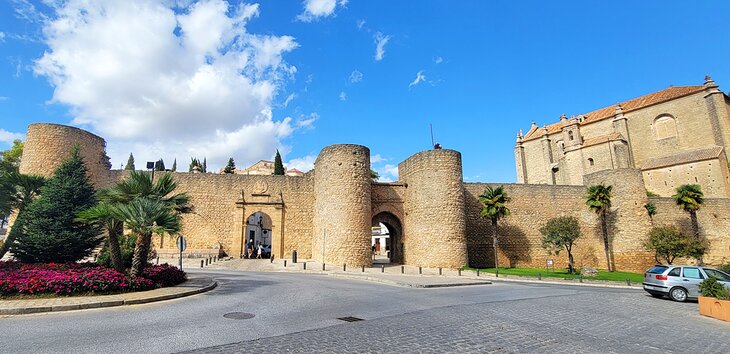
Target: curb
x,y
410,285
118,301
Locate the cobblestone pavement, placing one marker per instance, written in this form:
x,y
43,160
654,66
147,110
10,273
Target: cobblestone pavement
x,y
586,322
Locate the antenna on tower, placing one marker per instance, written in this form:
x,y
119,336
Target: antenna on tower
x,y
430,126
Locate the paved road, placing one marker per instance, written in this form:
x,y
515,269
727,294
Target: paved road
x,y
298,313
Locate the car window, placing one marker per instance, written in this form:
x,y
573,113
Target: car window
x,y
674,272
717,274
657,269
692,273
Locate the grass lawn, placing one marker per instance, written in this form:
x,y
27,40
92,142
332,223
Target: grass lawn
x,y
563,273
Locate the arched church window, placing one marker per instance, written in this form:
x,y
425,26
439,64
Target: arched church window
x,y
570,135
590,161
665,126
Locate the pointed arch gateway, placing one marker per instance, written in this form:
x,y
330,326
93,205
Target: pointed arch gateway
x,y
389,245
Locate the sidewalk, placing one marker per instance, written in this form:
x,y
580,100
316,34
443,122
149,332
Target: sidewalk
x,y
410,276
194,285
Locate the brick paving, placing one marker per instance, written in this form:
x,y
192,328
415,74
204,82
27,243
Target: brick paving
x,y
588,322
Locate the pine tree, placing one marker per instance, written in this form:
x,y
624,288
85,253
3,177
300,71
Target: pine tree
x,y
278,165
130,163
174,165
48,229
160,165
205,165
231,167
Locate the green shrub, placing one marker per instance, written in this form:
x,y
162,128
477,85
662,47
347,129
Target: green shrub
x,y
126,245
710,287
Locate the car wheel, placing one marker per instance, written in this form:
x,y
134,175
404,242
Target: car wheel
x,y
678,294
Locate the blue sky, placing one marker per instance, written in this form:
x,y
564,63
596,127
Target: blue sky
x,y
217,79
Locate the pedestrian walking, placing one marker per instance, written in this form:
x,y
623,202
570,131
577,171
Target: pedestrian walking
x,y
258,256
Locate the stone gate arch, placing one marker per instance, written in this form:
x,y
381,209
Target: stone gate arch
x,y
395,229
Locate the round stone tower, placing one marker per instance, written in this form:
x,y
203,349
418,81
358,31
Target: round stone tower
x,y
342,189
434,209
48,145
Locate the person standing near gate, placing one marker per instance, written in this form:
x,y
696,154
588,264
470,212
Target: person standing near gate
x,y
258,255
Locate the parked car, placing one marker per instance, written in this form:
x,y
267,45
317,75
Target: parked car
x,y
680,282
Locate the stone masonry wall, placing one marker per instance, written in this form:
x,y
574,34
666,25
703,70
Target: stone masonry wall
x,y
342,212
434,209
48,145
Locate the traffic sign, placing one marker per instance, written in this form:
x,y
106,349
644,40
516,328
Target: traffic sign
x,y
182,244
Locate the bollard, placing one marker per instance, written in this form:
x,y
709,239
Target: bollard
x,y
158,259
402,269
459,271
382,269
581,278
201,263
420,270
363,269
271,259
477,271
344,267
285,263
323,267
439,270
539,276
304,266
206,261
628,281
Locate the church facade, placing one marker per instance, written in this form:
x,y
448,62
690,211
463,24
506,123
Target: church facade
x,y
679,135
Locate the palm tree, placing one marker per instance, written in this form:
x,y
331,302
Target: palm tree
x,y
598,200
139,186
102,214
689,198
144,217
494,206
20,190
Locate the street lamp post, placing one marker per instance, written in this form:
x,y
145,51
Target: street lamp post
x,y
151,166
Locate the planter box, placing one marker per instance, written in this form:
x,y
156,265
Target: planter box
x,y
711,307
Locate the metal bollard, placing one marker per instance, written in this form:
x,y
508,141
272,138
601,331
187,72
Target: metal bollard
x,y
363,269
285,263
304,265
439,270
323,267
382,269
477,271
628,281
402,269
581,278
539,276
206,261
201,263
158,259
420,270
459,271
344,267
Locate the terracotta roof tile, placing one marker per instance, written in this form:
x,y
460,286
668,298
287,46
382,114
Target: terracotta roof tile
x,y
602,139
683,157
627,106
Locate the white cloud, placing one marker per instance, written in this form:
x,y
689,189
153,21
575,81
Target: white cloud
x,y
360,24
376,158
316,9
388,173
8,137
3,98
438,60
307,121
380,41
2,37
343,96
419,79
303,164
26,11
289,99
206,91
355,76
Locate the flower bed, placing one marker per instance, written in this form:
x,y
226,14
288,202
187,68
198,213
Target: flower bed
x,y
74,278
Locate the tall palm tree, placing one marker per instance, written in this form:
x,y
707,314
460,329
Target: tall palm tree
x,y
20,190
598,200
144,217
494,206
139,186
689,198
102,214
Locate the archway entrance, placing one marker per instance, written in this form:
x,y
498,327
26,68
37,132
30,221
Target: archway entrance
x,y
387,238
258,233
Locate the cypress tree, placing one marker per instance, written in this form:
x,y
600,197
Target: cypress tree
x,y
205,165
174,165
130,163
48,230
278,165
160,165
231,167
